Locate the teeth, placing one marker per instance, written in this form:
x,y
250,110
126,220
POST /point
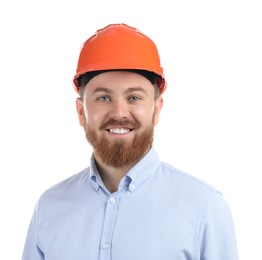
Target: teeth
x,y
119,131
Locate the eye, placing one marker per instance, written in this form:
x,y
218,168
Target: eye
x,y
104,99
134,98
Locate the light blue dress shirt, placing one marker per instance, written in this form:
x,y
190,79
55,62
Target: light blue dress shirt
x,y
158,213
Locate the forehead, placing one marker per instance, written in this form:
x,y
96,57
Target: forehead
x,y
117,81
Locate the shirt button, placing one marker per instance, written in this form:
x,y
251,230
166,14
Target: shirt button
x,y
112,200
105,246
132,187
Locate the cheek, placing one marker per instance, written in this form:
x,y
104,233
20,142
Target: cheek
x,y
94,117
144,115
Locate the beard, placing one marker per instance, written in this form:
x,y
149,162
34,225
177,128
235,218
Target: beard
x,y
120,153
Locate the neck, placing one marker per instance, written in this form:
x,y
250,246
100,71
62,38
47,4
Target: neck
x,y
111,176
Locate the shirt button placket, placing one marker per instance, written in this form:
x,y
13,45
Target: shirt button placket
x,y
109,221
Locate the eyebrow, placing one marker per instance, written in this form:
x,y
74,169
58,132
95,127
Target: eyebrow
x,y
130,90
101,89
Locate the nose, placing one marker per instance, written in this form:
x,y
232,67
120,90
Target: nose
x,y
119,109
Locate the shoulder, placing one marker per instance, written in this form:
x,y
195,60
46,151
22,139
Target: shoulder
x,y
185,185
184,177
192,190
68,186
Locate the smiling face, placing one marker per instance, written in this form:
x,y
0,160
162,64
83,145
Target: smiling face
x,y
118,112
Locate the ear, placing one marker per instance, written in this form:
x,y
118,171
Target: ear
x,y
158,106
80,111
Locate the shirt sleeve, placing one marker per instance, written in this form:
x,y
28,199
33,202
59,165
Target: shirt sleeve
x,y
31,249
217,239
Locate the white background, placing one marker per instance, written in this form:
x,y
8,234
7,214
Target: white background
x,y
210,125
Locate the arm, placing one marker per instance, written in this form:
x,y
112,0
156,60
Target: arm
x,y
217,239
31,248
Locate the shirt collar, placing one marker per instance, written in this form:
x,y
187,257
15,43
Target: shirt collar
x,y
145,168
135,176
94,174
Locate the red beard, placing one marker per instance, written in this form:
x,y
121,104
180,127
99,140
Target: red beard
x,y
120,153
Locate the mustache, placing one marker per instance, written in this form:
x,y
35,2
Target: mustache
x,y
120,122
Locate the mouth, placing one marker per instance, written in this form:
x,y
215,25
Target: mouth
x,y
119,131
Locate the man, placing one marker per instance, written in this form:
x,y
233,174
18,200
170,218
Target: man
x,y
127,204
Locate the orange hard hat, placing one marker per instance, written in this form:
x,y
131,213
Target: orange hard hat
x,y
119,46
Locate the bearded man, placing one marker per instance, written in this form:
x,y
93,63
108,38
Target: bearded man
x,y
127,204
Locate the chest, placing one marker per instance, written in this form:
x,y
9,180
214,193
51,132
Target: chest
x,y
130,226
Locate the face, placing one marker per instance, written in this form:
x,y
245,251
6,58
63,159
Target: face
x,y
119,112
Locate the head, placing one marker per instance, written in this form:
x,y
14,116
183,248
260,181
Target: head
x,y
118,111
120,84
